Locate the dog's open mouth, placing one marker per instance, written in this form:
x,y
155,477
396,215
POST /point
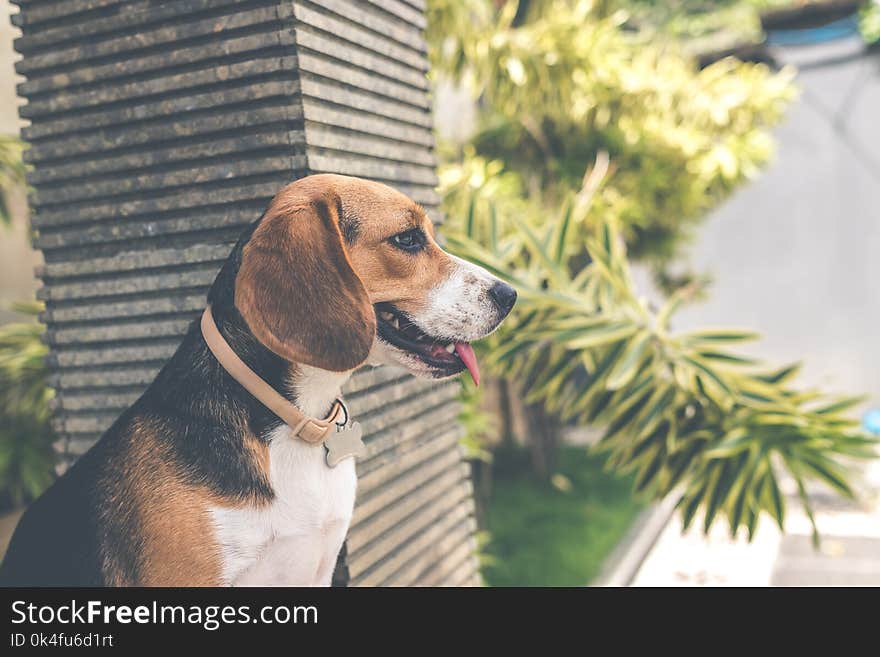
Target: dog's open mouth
x,y
443,356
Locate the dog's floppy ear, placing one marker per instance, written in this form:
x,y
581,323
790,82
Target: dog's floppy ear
x,y
297,291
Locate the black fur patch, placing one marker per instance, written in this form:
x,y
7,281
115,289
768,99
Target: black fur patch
x,y
200,412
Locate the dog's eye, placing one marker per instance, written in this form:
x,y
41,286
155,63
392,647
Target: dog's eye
x,y
410,240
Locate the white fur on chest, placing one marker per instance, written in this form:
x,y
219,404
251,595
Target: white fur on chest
x,y
295,539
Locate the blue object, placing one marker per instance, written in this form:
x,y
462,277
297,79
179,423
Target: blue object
x,y
839,29
871,421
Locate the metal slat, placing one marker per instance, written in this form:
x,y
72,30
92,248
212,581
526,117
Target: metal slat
x,y
135,261
77,101
134,186
445,561
402,11
411,542
411,535
429,493
182,301
149,64
275,84
310,40
379,44
316,111
186,130
366,16
202,210
111,35
339,73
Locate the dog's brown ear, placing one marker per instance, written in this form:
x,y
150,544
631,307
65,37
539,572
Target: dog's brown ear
x,y
297,291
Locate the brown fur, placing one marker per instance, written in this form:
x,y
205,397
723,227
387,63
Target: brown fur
x,y
168,517
301,241
178,548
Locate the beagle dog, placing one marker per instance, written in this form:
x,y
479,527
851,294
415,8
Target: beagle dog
x,y
199,483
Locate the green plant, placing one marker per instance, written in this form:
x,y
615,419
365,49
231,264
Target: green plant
x,y
702,24
562,82
12,171
869,21
26,454
683,412
541,535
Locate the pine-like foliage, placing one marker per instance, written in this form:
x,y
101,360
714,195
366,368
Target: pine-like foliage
x,y
685,411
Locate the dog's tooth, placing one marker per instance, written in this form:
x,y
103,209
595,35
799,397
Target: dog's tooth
x,y
450,348
396,323
386,316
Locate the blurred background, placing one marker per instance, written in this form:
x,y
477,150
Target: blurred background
x,y
685,194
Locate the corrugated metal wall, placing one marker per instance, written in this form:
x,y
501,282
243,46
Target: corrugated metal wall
x,y
158,130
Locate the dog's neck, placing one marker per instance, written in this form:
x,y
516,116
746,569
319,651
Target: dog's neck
x,y
312,390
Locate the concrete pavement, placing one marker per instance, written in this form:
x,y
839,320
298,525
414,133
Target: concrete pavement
x,y
849,553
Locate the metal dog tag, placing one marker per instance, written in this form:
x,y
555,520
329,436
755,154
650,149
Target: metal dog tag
x,y
344,443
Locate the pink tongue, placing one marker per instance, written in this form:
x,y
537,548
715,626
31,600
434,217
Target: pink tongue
x,y
469,358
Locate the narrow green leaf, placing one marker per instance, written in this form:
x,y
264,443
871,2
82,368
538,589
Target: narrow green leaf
x,y
734,441
618,401
718,495
629,364
716,378
828,472
726,358
537,247
624,419
653,413
602,336
841,405
781,375
669,309
510,351
606,238
649,472
588,392
551,378
559,253
776,499
469,217
493,228
752,518
744,490
691,506
805,502
719,335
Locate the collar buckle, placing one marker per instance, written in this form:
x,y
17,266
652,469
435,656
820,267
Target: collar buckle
x,y
341,407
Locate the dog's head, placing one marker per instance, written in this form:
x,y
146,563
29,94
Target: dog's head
x,y
341,271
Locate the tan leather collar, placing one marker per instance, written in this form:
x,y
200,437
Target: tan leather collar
x,y
304,427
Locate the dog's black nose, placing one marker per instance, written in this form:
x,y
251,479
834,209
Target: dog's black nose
x,y
504,296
